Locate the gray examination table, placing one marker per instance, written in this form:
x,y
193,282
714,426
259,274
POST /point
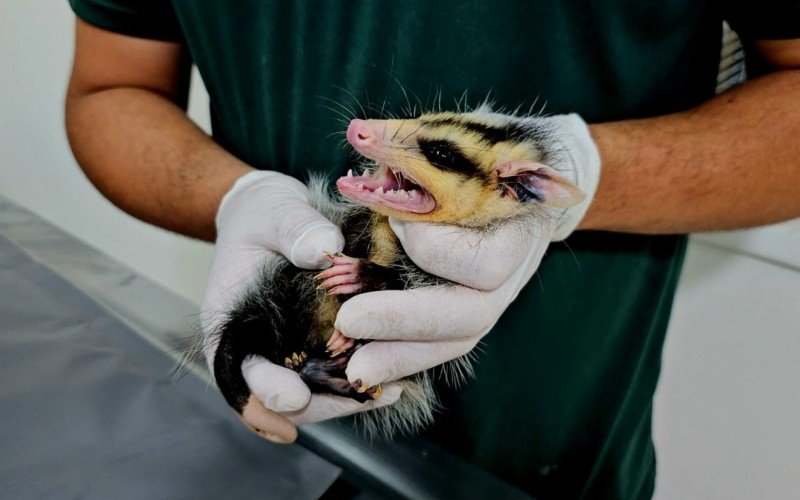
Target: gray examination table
x,y
89,408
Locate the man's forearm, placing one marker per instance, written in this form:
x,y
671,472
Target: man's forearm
x,y
145,155
732,162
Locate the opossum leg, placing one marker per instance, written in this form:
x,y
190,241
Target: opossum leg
x,y
328,376
348,276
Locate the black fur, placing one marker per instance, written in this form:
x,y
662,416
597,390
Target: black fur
x,y
270,320
513,132
274,318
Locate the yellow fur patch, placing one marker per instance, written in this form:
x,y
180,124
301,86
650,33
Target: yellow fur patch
x,y
384,246
324,317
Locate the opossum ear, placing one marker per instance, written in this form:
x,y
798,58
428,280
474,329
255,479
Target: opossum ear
x,y
537,183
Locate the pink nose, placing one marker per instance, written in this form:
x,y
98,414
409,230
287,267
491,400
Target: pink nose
x,y
360,133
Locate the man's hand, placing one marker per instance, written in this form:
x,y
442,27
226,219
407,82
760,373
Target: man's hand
x,y
421,328
264,215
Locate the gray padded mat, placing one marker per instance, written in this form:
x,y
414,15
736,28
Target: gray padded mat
x,y
155,320
88,409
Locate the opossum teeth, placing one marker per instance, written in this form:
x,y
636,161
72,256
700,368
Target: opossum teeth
x,y
397,193
380,190
350,172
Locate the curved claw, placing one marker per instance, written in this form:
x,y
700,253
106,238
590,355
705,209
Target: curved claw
x,y
339,344
375,391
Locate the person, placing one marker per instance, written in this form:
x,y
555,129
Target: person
x,y
562,397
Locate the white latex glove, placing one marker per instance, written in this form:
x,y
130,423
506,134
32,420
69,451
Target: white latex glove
x,y
266,214
422,328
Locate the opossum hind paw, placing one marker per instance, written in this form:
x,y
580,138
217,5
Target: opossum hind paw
x,y
328,376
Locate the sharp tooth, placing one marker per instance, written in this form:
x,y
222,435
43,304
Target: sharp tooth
x,y
403,193
379,190
360,185
350,172
413,193
393,192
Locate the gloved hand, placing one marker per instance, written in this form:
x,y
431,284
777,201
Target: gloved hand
x,y
421,328
266,214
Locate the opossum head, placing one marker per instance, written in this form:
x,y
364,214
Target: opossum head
x,y
469,169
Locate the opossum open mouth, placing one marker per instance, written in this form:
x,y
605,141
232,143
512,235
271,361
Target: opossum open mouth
x,y
388,187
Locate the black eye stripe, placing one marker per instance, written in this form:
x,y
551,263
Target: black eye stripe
x,y
446,155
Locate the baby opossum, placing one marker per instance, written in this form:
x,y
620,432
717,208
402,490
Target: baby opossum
x,y
477,170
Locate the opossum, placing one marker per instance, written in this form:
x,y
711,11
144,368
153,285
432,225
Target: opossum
x,y
477,169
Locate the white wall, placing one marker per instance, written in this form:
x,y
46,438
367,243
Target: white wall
x,y
36,166
727,406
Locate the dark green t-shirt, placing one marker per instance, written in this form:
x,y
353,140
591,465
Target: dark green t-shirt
x,y
561,405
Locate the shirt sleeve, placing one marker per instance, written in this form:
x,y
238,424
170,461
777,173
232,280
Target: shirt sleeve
x,y
154,19
764,19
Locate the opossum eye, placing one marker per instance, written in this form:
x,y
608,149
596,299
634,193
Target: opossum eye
x,y
442,153
446,155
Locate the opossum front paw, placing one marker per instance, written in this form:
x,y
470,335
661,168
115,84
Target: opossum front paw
x,y
339,344
343,277
348,275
